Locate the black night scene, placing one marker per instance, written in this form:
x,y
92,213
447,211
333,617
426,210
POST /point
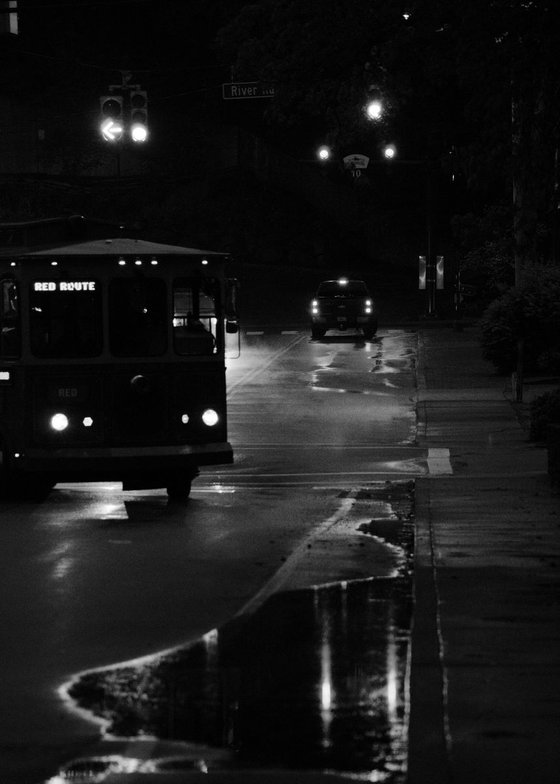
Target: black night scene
x,y
279,391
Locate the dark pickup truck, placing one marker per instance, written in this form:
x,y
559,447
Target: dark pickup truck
x,y
342,304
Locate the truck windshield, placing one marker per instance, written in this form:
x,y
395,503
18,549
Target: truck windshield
x,y
65,318
354,288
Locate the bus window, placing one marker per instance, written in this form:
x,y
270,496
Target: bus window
x,y
65,318
137,317
194,317
9,320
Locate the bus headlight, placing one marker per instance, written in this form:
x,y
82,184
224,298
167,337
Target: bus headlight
x,y
59,422
210,417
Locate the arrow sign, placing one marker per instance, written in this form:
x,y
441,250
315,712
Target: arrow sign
x,y
111,130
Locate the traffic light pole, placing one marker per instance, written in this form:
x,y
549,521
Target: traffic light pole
x,y
430,262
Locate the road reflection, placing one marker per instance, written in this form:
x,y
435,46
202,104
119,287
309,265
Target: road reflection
x,y
314,680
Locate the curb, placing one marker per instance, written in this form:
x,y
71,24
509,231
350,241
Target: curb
x,y
428,736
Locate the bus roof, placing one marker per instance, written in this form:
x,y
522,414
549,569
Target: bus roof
x,y
119,246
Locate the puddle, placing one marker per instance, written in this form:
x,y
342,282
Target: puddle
x,y
313,680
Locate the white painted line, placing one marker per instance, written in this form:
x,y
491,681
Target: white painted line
x,y
287,569
232,389
323,445
290,332
439,462
256,332
232,475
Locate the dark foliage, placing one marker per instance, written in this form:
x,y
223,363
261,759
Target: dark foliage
x,y
531,313
545,410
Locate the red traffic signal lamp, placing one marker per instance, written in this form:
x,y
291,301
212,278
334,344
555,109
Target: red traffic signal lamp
x,y
138,115
111,121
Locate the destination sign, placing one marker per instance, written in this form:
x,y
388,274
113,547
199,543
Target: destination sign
x,y
64,285
236,90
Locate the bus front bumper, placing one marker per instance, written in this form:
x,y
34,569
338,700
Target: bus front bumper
x,y
118,463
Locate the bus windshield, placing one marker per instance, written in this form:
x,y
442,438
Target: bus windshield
x,y
194,315
65,318
137,317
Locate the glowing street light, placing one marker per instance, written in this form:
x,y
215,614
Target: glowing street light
x,y
323,153
389,152
374,110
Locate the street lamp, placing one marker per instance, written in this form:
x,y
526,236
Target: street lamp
x,y
374,109
324,153
431,269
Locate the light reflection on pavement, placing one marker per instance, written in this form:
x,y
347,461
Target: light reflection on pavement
x,y
313,680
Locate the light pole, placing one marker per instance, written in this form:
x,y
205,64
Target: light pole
x,y
431,268
432,278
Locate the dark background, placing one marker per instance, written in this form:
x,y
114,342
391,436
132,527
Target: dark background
x,y
242,175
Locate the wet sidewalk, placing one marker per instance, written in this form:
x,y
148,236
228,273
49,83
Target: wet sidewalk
x,y
485,672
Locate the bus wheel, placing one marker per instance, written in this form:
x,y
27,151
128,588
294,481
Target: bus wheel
x,y
318,332
38,490
31,489
17,488
179,489
4,482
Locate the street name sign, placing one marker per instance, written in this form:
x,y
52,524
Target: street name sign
x,y
236,90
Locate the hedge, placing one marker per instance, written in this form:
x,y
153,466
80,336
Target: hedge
x,y
531,312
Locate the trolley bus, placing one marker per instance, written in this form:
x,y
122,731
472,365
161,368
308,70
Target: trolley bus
x,y
112,365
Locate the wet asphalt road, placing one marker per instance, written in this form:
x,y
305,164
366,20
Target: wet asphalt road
x,y
93,576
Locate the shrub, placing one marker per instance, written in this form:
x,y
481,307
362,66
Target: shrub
x,y
545,410
532,312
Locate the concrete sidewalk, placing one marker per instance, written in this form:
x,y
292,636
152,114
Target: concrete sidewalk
x,y
485,669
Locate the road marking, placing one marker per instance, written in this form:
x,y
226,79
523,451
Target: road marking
x,y
395,471
286,570
439,462
404,448
233,388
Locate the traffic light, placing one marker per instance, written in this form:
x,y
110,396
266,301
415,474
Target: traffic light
x,y
111,123
138,115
